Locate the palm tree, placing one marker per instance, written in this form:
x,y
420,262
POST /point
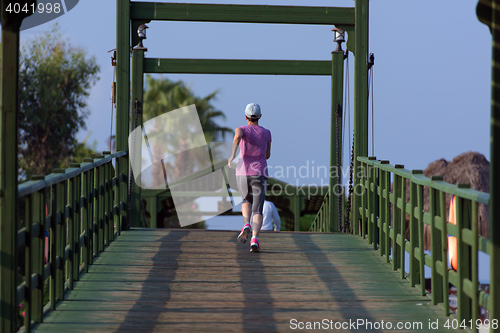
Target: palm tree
x,y
163,96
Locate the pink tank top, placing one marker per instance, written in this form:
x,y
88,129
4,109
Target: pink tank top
x,y
253,148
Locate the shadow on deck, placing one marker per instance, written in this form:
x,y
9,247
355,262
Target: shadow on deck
x,y
160,280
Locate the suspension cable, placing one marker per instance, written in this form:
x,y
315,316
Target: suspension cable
x,y
370,94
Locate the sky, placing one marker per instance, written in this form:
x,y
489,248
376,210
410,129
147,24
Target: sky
x,y
431,92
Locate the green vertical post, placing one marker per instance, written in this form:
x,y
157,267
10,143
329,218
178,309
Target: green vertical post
x,y
70,223
137,95
371,199
420,220
414,267
9,66
360,96
375,206
28,262
122,106
381,217
153,209
296,212
52,248
95,212
109,198
436,254
403,226
364,199
77,228
387,213
38,214
396,226
494,167
464,311
444,250
60,239
102,206
106,204
475,263
84,204
335,155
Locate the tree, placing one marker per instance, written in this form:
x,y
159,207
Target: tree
x,y
163,96
55,78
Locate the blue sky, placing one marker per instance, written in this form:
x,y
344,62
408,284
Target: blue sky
x,y
431,91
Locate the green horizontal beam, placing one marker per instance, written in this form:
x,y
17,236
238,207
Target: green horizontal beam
x,y
241,13
239,67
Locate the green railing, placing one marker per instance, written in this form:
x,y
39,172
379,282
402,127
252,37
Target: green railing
x,y
321,222
75,206
381,204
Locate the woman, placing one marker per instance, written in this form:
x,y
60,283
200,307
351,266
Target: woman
x,y
251,171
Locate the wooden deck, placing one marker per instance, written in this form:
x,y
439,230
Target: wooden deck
x,y
159,280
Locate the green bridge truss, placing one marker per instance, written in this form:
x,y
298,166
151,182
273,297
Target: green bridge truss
x,y
88,202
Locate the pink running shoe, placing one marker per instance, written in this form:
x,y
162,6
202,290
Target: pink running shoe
x,y
254,245
243,236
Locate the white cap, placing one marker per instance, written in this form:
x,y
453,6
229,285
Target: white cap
x,y
252,110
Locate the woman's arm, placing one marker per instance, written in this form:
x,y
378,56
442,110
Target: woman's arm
x,y
268,152
238,134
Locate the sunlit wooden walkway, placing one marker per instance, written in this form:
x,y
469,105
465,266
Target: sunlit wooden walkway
x,y
158,280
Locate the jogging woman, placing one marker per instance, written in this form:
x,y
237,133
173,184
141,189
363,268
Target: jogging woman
x,y
251,171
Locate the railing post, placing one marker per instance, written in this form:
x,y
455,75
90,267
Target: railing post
x,y
436,254
403,227
475,263
364,199
371,199
335,146
102,205
28,264
38,216
375,205
387,212
396,218
444,251
380,222
414,267
84,211
463,258
420,221
60,239
95,211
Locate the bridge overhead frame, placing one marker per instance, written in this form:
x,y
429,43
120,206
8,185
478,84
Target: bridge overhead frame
x,y
344,18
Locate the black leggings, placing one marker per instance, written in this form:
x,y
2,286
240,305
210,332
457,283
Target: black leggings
x,y
253,191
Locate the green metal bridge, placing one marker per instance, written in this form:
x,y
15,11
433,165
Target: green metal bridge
x,y
106,272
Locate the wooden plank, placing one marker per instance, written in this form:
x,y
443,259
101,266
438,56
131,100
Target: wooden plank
x,y
195,280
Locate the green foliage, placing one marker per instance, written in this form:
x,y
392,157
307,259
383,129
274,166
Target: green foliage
x,y
164,95
306,221
55,78
82,150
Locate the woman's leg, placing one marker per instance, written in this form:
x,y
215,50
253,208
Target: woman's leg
x,y
259,187
246,211
257,224
246,193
